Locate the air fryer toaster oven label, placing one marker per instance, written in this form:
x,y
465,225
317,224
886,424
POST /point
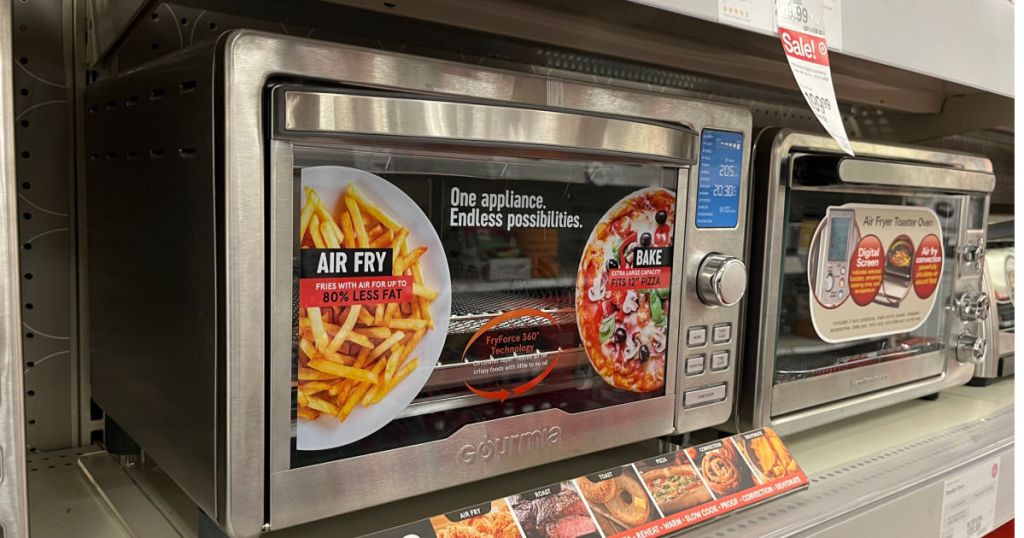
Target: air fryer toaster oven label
x,y
718,184
873,270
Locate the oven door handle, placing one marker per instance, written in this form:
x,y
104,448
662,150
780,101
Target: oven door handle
x,y
897,174
308,113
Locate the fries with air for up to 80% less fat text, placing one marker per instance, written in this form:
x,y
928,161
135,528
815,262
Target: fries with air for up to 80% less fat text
x,y
355,355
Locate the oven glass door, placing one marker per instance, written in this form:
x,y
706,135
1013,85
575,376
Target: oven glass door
x,y
436,290
864,285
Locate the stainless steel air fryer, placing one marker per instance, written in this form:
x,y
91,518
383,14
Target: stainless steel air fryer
x,y
867,278
307,210
999,326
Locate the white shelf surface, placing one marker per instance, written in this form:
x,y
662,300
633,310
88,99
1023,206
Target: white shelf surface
x,y
849,492
964,41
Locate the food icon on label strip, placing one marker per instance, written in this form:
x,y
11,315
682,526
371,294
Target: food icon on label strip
x,y
488,520
768,457
723,469
373,304
674,482
622,290
555,511
617,499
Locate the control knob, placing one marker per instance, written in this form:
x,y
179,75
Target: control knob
x,y
972,305
970,348
721,280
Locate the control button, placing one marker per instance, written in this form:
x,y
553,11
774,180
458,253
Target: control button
x,y
719,361
721,333
842,282
721,280
840,293
696,336
706,395
842,270
830,282
695,365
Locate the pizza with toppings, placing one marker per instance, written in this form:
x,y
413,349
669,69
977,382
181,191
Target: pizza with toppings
x,y
624,329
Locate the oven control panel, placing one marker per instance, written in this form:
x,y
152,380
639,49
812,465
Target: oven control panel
x,y
716,279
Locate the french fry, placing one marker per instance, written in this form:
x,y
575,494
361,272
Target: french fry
x,y
387,344
424,304
365,317
405,262
339,370
328,233
392,364
309,374
325,215
307,413
348,230
362,239
396,247
373,210
343,332
323,406
357,394
360,340
383,240
316,323
302,398
389,312
307,214
401,374
314,387
423,291
378,315
407,324
378,333
314,232
412,343
374,231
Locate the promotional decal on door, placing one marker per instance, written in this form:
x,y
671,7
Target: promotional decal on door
x,y
873,270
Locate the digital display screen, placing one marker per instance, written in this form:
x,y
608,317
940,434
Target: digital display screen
x,y
838,239
718,187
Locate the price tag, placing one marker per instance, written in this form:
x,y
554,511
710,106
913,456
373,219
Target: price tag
x,y
969,501
802,32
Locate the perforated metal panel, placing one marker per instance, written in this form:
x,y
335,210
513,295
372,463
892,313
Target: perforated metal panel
x,y
44,110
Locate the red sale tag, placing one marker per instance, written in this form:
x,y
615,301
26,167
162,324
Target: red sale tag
x,y
803,46
355,290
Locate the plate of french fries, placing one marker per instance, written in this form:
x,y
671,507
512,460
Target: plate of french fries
x,y
361,365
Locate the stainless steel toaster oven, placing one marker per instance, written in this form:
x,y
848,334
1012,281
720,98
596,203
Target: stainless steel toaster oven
x,y
1000,279
867,286
337,277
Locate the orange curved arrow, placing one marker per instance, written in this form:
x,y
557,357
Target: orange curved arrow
x,y
502,394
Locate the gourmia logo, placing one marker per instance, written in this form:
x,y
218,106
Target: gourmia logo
x,y
511,445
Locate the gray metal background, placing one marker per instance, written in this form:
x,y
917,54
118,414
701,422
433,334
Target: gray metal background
x,y
43,97
46,82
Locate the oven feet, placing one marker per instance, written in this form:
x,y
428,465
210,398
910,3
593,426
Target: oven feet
x,y
930,397
981,381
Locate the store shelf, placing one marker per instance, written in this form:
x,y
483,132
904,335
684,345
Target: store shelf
x,y
911,35
881,472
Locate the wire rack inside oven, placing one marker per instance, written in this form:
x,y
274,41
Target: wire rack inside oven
x,y
472,309
837,358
